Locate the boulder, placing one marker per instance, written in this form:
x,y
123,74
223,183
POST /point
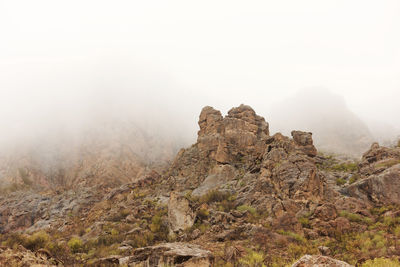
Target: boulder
x,y
382,189
319,261
180,213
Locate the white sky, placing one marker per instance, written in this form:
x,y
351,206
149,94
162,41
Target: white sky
x,y
65,57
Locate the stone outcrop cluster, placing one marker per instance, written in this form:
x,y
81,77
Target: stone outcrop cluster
x,y
236,153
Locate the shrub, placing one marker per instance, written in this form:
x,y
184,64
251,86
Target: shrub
x,y
253,259
203,214
14,240
250,209
305,222
37,240
388,164
345,167
354,178
297,237
155,225
340,181
381,262
396,231
353,217
215,196
75,244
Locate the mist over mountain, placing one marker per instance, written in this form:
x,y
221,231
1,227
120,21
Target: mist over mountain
x,y
335,127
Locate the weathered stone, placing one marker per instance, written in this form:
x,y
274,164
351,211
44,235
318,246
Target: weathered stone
x,y
319,261
180,213
383,188
218,176
305,142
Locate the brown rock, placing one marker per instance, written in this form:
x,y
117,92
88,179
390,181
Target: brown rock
x,y
305,142
326,212
319,261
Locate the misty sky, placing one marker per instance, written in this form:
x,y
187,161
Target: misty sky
x,y
62,60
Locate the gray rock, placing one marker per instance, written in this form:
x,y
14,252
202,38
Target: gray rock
x,y
383,188
180,213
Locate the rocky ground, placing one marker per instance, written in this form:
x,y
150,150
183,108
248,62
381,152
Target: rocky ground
x,y
237,197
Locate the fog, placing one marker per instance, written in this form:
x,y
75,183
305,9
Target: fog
x,y
70,66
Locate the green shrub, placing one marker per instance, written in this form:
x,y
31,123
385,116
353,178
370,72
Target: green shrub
x,y
215,196
353,217
354,178
250,209
37,240
381,262
340,181
253,259
396,231
345,167
14,240
305,222
203,214
75,244
297,237
388,164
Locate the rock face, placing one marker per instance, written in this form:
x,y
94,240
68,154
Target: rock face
x,y
381,168
33,211
319,261
180,214
218,176
170,254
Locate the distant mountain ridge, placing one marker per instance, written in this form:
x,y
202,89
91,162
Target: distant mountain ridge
x,y
335,127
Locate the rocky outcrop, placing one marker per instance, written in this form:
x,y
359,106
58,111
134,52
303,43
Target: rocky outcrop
x,y
378,159
319,261
380,170
305,142
180,214
276,173
239,134
170,254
